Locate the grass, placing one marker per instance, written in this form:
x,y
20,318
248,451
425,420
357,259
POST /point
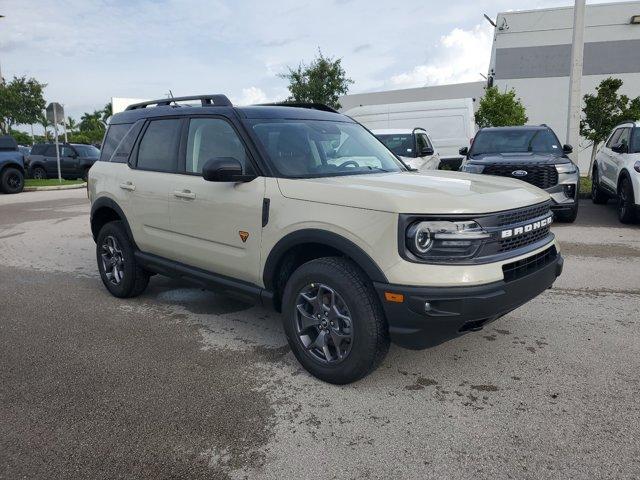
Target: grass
x,y
49,182
585,187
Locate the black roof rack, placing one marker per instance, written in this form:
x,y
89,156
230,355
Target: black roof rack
x,y
206,101
310,105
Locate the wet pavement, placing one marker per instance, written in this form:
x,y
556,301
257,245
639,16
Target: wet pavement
x,y
186,383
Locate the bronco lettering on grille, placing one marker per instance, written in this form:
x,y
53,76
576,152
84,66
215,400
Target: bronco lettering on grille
x,y
513,232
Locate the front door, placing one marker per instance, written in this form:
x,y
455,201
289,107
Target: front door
x,y
216,226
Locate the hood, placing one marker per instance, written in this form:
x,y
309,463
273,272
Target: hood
x,y
438,192
519,158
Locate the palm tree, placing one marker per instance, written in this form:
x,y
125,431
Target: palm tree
x,y
72,125
91,121
44,123
107,111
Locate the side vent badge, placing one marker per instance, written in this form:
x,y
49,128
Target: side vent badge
x,y
243,236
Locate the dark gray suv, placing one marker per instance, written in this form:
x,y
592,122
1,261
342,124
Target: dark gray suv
x,y
532,154
75,160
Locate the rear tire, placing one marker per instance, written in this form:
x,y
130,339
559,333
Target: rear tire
x,y
117,265
626,203
598,196
39,173
340,283
11,180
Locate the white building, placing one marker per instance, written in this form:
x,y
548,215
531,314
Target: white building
x,y
532,54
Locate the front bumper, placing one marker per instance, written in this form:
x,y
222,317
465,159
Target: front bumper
x,y
565,193
454,311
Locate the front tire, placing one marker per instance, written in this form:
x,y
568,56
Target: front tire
x,y
117,265
626,203
11,180
598,196
334,321
39,173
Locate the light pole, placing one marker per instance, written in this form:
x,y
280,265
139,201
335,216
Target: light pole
x,y
575,78
1,77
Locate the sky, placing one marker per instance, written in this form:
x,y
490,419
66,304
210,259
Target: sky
x,y
87,51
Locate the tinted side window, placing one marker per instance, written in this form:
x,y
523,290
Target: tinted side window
x,y
123,150
614,138
66,152
212,138
624,136
635,141
423,142
158,149
51,151
38,149
114,135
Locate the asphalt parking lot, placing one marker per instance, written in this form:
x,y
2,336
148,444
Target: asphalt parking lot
x,y
184,383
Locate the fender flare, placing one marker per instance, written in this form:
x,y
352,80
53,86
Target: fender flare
x,y
105,202
323,237
12,164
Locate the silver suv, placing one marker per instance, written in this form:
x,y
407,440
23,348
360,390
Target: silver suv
x,y
303,210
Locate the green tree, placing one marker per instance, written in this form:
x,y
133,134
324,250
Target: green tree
x,y
322,81
21,102
21,137
500,109
44,123
91,121
72,125
603,111
107,111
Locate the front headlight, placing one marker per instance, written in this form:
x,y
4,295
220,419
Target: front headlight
x,y
442,240
566,168
471,168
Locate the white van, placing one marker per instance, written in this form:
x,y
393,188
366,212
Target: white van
x,y
450,123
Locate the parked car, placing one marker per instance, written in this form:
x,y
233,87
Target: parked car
x,y
616,171
11,166
302,209
450,123
75,160
413,146
532,154
25,150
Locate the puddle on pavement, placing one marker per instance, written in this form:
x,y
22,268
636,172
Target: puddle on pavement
x,y
196,300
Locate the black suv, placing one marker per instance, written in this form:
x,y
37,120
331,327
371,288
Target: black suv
x,y
75,160
532,154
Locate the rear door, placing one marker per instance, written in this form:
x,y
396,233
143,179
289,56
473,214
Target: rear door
x,y
608,173
68,161
216,226
148,181
51,161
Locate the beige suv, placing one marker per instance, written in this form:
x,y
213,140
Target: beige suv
x,y
302,209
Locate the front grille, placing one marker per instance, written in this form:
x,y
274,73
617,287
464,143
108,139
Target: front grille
x,y
512,243
523,214
515,270
542,176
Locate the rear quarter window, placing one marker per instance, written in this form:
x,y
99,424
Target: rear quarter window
x,y
112,139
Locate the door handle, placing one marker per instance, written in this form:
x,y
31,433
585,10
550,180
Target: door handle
x,y
128,186
184,194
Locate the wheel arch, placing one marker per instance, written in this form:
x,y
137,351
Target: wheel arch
x,y
105,210
6,165
301,246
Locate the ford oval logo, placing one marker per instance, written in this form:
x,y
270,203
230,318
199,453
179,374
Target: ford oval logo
x,y
519,173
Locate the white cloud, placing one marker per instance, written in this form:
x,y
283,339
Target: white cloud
x,y
252,95
461,56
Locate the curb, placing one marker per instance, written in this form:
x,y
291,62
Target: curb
x,y
55,187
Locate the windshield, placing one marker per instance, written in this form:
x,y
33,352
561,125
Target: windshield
x,y
400,144
87,150
515,141
314,148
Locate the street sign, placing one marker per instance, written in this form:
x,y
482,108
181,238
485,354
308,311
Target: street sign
x,y
55,113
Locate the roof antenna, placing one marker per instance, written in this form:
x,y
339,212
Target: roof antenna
x,y
171,96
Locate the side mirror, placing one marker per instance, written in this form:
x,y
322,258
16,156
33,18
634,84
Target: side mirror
x,y
224,169
620,148
426,151
567,149
464,151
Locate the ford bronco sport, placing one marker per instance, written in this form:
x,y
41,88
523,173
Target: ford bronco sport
x,y
302,209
